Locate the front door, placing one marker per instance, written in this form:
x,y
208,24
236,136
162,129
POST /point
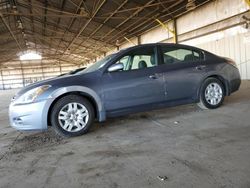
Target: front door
x,y
141,82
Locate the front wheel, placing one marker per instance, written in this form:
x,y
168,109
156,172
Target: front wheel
x,y
212,94
72,115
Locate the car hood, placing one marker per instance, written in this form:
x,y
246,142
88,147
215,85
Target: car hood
x,y
57,82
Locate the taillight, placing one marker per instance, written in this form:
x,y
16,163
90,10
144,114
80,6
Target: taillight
x,y
231,62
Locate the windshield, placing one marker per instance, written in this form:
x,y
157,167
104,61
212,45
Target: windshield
x,y
99,64
76,70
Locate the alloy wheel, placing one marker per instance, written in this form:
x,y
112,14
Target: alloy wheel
x,y
73,117
213,94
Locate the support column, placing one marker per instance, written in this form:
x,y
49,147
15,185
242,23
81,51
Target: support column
x,y
1,72
248,2
139,40
130,41
22,74
175,31
41,64
60,66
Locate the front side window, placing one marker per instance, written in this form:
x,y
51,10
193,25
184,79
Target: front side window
x,y
138,59
180,55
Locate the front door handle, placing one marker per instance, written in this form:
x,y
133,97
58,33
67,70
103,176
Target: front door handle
x,y
201,67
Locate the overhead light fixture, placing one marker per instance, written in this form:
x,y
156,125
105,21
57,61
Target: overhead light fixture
x,y
83,12
117,43
19,24
30,56
191,5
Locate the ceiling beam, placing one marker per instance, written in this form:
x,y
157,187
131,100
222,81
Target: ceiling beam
x,y
140,25
58,21
71,22
9,29
85,25
123,22
106,20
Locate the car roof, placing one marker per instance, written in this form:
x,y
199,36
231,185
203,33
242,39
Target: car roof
x,y
168,45
161,44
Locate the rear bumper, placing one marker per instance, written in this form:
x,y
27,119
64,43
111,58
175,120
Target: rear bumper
x,y
232,75
235,85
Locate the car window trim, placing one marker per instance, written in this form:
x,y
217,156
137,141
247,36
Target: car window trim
x,y
127,53
200,52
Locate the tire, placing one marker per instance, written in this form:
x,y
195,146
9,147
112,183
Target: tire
x,y
72,115
212,94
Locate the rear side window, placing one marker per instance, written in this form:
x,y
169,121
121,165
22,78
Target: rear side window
x,y
180,55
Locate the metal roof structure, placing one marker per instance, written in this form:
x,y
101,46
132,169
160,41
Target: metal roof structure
x,y
78,31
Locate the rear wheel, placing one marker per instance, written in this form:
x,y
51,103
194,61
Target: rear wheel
x,y
72,115
212,94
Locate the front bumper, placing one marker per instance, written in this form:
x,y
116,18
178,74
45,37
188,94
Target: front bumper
x,y
29,117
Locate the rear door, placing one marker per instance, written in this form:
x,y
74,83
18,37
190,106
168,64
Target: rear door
x,y
184,69
141,82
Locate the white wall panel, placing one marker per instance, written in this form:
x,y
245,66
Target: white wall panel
x,y
210,13
156,35
129,44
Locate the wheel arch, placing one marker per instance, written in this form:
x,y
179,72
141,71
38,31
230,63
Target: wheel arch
x,y
220,78
87,93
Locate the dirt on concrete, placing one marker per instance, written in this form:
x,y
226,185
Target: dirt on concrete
x,y
175,147
32,142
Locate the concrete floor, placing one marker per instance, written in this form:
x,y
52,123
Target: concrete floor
x,y
186,146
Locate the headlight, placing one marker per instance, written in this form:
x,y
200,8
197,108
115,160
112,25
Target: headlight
x,y
31,95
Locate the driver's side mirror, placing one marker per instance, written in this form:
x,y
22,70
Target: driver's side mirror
x,y
115,67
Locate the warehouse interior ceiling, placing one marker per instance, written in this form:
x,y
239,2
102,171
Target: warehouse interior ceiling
x,y
79,31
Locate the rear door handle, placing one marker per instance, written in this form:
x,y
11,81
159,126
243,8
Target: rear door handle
x,y
201,67
153,76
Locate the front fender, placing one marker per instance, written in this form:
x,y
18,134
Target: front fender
x,y
89,92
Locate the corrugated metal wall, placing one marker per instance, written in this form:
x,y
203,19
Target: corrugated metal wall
x,y
16,78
